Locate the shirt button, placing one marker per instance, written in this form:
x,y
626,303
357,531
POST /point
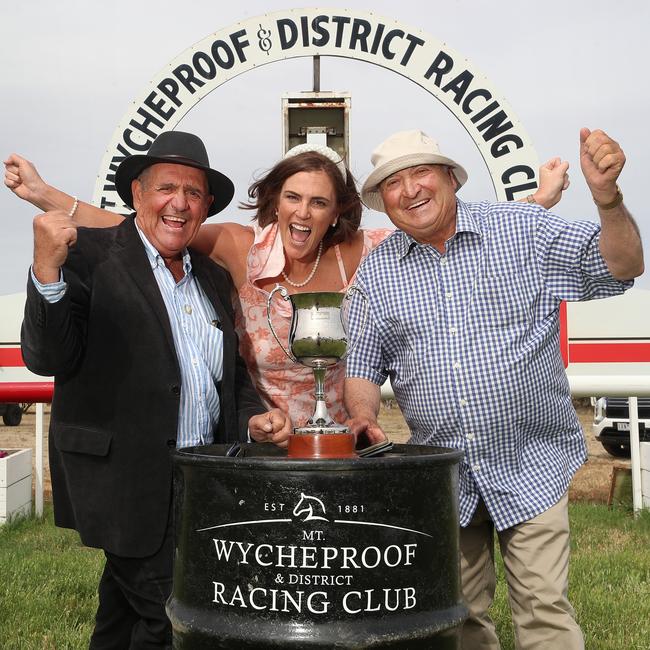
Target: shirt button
x,y
188,309
452,330
195,361
448,295
456,365
176,389
470,436
443,261
463,402
476,468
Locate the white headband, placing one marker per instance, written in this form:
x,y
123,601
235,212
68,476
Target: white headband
x,y
324,151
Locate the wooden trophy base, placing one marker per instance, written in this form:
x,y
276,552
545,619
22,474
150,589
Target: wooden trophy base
x,y
322,445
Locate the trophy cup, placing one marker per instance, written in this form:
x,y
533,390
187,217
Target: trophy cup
x,y
318,339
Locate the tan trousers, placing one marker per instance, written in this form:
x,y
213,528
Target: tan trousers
x,y
536,559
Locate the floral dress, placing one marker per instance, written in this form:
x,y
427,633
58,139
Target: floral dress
x,y
281,382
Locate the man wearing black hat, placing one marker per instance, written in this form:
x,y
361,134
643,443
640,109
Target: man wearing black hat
x,y
138,333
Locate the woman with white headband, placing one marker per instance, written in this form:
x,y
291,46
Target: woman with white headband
x,y
305,236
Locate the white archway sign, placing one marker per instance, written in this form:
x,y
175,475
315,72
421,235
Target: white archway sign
x,y
425,60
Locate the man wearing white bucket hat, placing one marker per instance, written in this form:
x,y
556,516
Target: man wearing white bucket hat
x,y
463,317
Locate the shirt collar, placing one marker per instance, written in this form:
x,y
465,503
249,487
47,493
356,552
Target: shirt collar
x,y
465,223
155,258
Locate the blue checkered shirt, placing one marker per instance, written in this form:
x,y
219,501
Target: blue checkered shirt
x,y
470,341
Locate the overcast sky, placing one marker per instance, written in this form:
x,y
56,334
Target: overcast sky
x,y
70,70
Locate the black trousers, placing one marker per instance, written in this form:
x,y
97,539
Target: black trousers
x,y
132,596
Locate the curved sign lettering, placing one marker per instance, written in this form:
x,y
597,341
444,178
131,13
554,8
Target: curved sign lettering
x,y
425,60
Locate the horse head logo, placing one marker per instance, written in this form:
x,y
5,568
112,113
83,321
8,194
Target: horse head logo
x,y
309,507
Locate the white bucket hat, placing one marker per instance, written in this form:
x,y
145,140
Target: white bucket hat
x,y
399,151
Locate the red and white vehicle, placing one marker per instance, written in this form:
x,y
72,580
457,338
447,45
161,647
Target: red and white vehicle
x,y
607,343
18,386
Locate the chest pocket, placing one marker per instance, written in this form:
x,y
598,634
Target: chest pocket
x,y
408,337
501,302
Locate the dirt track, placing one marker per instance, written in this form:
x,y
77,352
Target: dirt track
x,y
591,483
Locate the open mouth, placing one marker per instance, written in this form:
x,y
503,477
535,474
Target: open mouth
x,y
299,234
417,205
174,222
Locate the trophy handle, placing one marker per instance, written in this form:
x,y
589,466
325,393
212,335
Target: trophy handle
x,y
285,294
353,344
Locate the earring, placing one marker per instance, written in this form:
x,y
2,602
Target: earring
x,y
335,223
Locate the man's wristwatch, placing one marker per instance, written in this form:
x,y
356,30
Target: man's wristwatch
x,y
614,203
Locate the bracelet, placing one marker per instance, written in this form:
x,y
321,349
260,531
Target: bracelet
x,y
531,199
74,207
617,200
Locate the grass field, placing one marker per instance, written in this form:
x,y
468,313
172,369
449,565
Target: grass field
x,y
48,582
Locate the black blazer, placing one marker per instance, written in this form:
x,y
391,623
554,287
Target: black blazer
x,y
113,424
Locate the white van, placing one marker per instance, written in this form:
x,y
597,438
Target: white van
x,y
612,423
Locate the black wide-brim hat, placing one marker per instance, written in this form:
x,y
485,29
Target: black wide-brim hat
x,y
176,148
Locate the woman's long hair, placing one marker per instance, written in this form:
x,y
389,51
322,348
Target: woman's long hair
x,y
264,194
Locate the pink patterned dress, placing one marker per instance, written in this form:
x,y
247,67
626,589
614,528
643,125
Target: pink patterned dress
x,y
280,382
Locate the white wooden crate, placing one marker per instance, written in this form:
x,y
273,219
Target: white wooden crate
x,y
15,484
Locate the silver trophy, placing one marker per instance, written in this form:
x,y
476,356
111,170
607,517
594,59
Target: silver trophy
x,y
318,339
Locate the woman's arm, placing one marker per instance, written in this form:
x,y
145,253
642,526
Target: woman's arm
x,y
226,243
553,180
25,182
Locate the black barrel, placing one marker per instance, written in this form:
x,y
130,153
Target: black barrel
x,y
274,552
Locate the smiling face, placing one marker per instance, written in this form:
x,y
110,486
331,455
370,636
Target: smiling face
x,y
306,208
421,201
171,202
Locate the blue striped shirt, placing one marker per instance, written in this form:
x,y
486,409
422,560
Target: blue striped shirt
x,y
199,348
470,341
